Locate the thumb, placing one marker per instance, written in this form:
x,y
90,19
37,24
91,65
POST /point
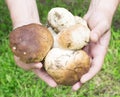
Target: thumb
x,y
98,31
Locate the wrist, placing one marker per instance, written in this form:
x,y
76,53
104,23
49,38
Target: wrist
x,y
19,23
105,6
23,12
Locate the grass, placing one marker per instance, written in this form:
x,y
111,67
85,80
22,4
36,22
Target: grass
x,y
15,82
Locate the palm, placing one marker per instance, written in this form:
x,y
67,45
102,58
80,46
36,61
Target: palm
x,y
97,53
37,69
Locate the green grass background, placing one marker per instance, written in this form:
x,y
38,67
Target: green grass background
x,y
15,82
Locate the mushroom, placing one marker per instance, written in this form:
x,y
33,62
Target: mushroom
x,y
60,18
66,66
66,62
74,37
79,20
31,43
60,45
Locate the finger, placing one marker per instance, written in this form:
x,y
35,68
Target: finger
x,y
98,57
21,64
76,86
27,66
104,41
35,66
95,68
45,77
87,49
98,31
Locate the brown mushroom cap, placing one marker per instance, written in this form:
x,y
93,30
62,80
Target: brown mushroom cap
x,y
66,66
74,37
31,43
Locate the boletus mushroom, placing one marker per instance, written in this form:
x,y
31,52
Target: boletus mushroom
x,y
66,62
74,37
66,66
31,43
60,18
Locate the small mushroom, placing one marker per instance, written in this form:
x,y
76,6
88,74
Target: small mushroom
x,y
31,43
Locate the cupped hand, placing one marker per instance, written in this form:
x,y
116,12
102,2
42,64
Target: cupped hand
x,y
99,23
97,52
38,69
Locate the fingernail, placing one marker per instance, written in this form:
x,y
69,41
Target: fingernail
x,y
76,86
83,80
94,37
53,84
38,65
74,90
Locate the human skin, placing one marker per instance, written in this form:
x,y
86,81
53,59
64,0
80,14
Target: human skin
x,y
22,13
99,18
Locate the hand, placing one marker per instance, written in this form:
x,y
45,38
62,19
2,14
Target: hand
x,y
97,53
99,21
24,15
37,68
